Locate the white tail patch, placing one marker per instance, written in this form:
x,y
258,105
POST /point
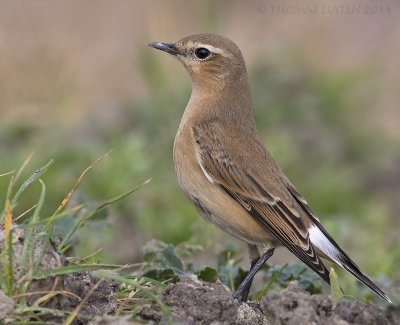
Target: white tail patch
x,y
319,240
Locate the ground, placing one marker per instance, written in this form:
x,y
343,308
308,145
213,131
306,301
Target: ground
x,y
195,302
190,301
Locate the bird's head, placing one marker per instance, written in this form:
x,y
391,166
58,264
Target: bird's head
x,y
211,60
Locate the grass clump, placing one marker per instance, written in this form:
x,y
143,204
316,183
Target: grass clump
x,y
44,285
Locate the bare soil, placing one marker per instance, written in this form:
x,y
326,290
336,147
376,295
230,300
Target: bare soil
x,y
195,302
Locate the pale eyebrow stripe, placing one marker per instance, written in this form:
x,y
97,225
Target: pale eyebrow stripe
x,y
214,49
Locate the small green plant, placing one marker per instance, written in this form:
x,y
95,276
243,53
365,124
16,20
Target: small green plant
x,y
163,262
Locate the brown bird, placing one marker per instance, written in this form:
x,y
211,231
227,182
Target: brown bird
x,y
229,176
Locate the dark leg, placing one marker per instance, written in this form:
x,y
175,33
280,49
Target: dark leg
x,y
254,255
246,283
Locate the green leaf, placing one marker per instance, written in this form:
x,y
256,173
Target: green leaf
x,y
162,256
310,282
169,258
231,274
207,274
162,261
307,279
166,258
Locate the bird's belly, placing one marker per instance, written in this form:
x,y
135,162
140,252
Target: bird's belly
x,y
214,204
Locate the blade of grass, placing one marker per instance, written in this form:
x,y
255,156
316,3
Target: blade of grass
x,y
135,277
45,245
8,173
52,294
42,221
270,282
12,183
7,256
36,175
33,321
73,269
33,266
8,248
8,195
229,268
23,166
25,213
39,311
85,258
67,198
29,232
46,292
60,215
81,222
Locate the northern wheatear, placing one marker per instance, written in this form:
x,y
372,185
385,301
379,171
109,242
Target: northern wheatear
x,y
229,176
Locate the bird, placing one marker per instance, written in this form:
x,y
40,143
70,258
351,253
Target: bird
x,y
228,174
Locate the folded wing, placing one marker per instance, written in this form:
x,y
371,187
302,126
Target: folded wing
x,y
262,202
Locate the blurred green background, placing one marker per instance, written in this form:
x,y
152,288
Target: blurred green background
x,y
77,79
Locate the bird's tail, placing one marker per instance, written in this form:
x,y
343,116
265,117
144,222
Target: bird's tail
x,y
324,242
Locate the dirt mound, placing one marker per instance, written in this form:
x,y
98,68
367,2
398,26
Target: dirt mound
x,y
192,301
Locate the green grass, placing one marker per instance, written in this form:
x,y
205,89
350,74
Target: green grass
x,y
20,268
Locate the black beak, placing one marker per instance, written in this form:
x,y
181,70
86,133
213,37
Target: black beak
x,y
166,47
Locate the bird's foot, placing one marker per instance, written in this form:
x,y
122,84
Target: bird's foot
x,y
252,304
255,305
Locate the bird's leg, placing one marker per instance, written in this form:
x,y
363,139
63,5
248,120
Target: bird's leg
x,y
254,256
243,290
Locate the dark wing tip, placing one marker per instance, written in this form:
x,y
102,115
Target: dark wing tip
x,y
367,281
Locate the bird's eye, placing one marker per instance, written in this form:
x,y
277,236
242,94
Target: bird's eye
x,y
202,53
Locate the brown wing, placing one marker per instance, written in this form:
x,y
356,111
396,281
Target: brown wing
x,y
235,172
